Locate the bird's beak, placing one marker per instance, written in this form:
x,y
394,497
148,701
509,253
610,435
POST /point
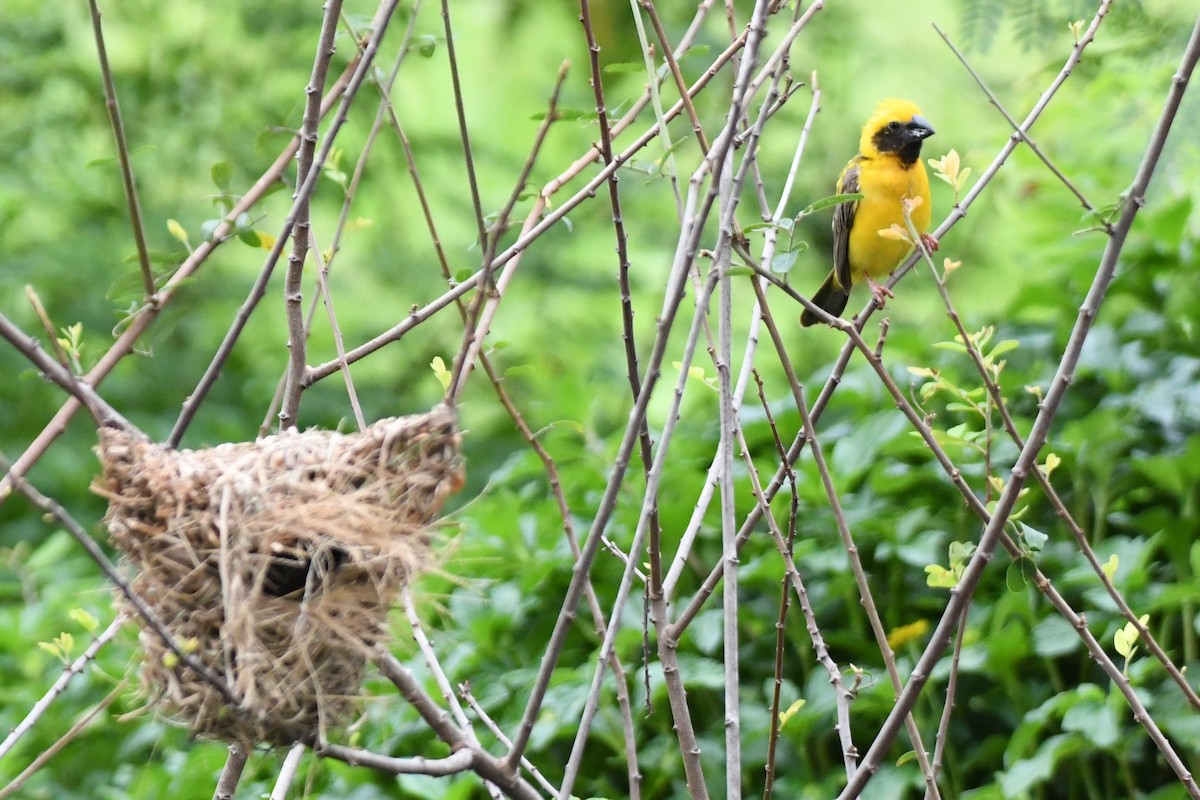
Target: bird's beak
x,y
919,128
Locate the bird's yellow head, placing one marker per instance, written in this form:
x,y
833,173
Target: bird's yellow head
x,y
896,127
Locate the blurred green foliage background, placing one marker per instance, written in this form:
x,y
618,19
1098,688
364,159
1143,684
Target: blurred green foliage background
x,y
222,83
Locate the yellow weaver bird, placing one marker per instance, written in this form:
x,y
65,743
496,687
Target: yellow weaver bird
x,y
886,170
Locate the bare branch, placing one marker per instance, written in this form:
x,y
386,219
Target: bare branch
x,y
118,129
231,773
145,317
300,231
75,668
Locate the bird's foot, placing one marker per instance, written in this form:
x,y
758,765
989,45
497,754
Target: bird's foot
x,y
879,290
929,242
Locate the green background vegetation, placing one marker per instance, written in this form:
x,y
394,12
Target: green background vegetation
x,y
222,82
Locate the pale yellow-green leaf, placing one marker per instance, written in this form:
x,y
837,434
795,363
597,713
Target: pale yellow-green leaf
x,y
938,577
1051,464
1110,567
177,231
790,712
962,179
440,372
895,233
1122,644
694,372
84,619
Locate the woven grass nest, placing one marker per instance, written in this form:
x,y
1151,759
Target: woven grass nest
x,y
274,563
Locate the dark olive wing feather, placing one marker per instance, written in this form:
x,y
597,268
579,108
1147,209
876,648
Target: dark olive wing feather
x,y
843,221
835,291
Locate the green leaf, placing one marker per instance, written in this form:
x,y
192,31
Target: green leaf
x,y
1095,720
739,270
1018,574
783,262
960,553
1035,539
1003,347
624,68
1030,772
783,224
1054,637
567,115
221,173
832,200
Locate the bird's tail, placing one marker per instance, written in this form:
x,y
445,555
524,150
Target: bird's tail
x,y
830,297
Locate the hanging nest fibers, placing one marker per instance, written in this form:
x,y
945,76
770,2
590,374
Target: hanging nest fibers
x,y
274,563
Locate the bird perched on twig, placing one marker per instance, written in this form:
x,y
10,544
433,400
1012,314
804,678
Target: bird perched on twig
x,y
886,171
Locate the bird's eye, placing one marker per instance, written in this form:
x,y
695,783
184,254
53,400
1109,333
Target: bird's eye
x,y
893,126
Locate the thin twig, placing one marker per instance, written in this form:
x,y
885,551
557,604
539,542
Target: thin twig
x,y
287,773
302,203
118,128
730,189
51,335
339,343
1017,129
485,765
460,108
943,730
77,387
957,213
768,253
68,737
539,226
231,773
842,695
141,320
453,764
76,530
73,669
848,544
1026,461
784,597
382,17
996,399
464,691
487,301
442,680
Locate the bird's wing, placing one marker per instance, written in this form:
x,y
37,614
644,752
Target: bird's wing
x,y
843,221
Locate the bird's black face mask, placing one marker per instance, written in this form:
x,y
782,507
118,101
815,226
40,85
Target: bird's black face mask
x,y
903,138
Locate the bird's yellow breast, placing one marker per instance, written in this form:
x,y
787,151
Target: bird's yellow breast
x,y
884,183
